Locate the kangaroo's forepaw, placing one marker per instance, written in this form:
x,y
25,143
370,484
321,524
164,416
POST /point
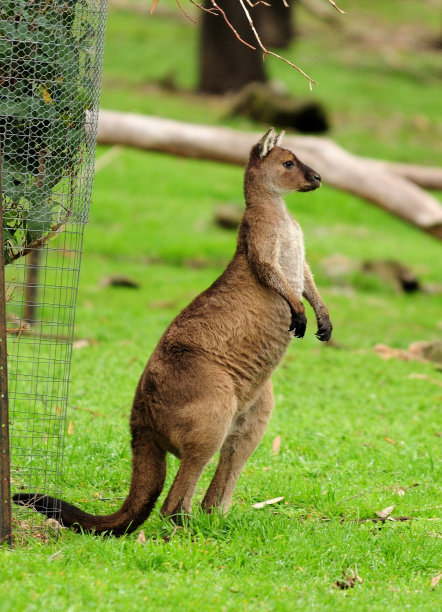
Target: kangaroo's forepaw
x,y
298,325
324,330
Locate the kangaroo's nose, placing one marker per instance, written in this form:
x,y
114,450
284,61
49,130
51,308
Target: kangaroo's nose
x,y
317,177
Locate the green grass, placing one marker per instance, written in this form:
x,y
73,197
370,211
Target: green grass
x,y
354,429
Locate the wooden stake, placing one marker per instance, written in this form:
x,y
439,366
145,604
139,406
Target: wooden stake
x,y
5,457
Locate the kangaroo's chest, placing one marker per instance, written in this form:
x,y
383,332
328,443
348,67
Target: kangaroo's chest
x,y
292,254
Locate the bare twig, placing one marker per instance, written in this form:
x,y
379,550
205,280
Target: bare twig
x,y
253,4
57,229
27,330
393,519
10,295
218,8
319,9
212,10
265,51
184,12
17,331
336,7
352,497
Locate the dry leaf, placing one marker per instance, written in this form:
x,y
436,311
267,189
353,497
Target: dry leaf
x,y
70,428
385,513
55,555
267,502
434,534
332,2
276,445
390,440
435,580
400,491
79,344
141,537
53,524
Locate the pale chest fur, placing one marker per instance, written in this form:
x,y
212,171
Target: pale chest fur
x,y
291,253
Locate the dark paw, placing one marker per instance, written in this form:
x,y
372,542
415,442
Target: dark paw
x,y
324,331
298,325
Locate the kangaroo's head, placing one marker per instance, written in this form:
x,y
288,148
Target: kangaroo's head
x,y
278,170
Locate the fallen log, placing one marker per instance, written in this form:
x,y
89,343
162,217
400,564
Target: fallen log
x,y
338,168
423,176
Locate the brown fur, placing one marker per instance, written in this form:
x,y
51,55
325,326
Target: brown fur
x,y
206,387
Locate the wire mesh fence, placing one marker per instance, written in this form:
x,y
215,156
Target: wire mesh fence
x,y
50,72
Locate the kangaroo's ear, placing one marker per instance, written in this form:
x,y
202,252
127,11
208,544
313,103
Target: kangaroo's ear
x,y
266,144
279,138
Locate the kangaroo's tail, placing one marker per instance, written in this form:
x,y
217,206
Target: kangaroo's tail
x,y
148,475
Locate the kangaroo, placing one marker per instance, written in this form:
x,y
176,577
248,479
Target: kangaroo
x,y
207,387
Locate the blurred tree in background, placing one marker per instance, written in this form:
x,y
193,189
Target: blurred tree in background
x,y
227,64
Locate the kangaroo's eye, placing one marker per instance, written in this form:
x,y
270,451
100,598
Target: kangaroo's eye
x,y
288,164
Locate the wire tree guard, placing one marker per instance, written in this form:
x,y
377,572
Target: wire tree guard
x,y
50,72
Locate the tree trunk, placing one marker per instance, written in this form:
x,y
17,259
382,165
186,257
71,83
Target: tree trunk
x,y
226,64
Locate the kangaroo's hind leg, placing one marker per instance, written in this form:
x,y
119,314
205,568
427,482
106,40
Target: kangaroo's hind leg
x,y
182,491
199,445
242,439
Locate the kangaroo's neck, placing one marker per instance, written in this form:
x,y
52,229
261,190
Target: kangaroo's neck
x,y
258,195
265,208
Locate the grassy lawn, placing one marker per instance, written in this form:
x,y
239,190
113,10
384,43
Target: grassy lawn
x,y
358,434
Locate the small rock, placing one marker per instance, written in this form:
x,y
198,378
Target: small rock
x,y
401,276
116,280
228,216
